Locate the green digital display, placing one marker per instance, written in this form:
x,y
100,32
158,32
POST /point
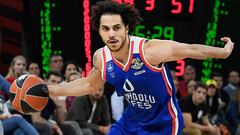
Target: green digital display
x,y
210,65
46,35
47,30
154,32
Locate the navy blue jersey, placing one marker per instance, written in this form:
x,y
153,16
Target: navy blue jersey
x,y
149,91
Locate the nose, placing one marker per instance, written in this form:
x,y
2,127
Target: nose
x,y
111,33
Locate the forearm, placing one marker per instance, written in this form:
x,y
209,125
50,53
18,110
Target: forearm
x,y
204,52
75,88
197,126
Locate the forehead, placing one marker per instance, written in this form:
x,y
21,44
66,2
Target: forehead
x,y
19,61
54,77
110,20
33,65
233,73
201,89
71,66
56,57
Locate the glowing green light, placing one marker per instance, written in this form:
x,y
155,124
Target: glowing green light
x,y
211,40
156,32
46,35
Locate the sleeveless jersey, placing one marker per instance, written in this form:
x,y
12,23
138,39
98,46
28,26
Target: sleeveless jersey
x,y
149,90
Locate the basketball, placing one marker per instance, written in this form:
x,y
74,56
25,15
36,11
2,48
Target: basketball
x,y
28,93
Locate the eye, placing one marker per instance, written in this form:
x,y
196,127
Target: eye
x,y
116,28
105,28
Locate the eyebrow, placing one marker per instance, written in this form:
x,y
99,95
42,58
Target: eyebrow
x,y
112,26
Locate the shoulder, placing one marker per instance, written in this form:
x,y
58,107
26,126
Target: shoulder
x,y
185,103
157,51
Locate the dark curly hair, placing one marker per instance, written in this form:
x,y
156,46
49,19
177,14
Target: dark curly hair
x,y
128,13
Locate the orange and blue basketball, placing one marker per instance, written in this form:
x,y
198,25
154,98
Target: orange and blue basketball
x,y
28,93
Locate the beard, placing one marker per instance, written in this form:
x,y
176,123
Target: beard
x,y
117,49
120,47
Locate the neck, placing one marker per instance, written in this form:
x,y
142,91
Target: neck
x,y
194,102
122,55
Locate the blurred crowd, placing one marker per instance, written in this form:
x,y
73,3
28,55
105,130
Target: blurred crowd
x,y
209,108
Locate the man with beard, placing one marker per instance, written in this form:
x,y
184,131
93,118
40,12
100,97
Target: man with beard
x,y
233,84
137,69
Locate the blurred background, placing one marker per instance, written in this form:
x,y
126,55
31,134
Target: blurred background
x,y
39,28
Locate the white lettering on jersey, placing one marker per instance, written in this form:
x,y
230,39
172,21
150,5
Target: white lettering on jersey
x,y
143,101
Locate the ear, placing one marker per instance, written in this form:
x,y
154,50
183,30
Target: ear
x,y
127,28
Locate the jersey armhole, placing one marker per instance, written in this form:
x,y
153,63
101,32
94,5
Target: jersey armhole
x,y
103,73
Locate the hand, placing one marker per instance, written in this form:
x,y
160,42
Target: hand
x,y
104,129
214,130
57,129
228,46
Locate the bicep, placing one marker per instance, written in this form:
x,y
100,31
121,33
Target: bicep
x,y
167,50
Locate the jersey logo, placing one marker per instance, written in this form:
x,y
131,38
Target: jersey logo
x,y
110,67
136,64
128,87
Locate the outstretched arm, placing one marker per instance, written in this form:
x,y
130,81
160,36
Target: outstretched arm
x,y
81,86
158,51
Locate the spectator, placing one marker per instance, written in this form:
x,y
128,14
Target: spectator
x,y
233,84
191,85
233,115
189,74
69,67
14,124
214,102
94,110
33,68
17,67
195,113
56,62
225,98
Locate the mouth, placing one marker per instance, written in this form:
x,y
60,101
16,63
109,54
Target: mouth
x,y
112,41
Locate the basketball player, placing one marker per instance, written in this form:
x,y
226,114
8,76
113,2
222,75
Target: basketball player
x,y
136,67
